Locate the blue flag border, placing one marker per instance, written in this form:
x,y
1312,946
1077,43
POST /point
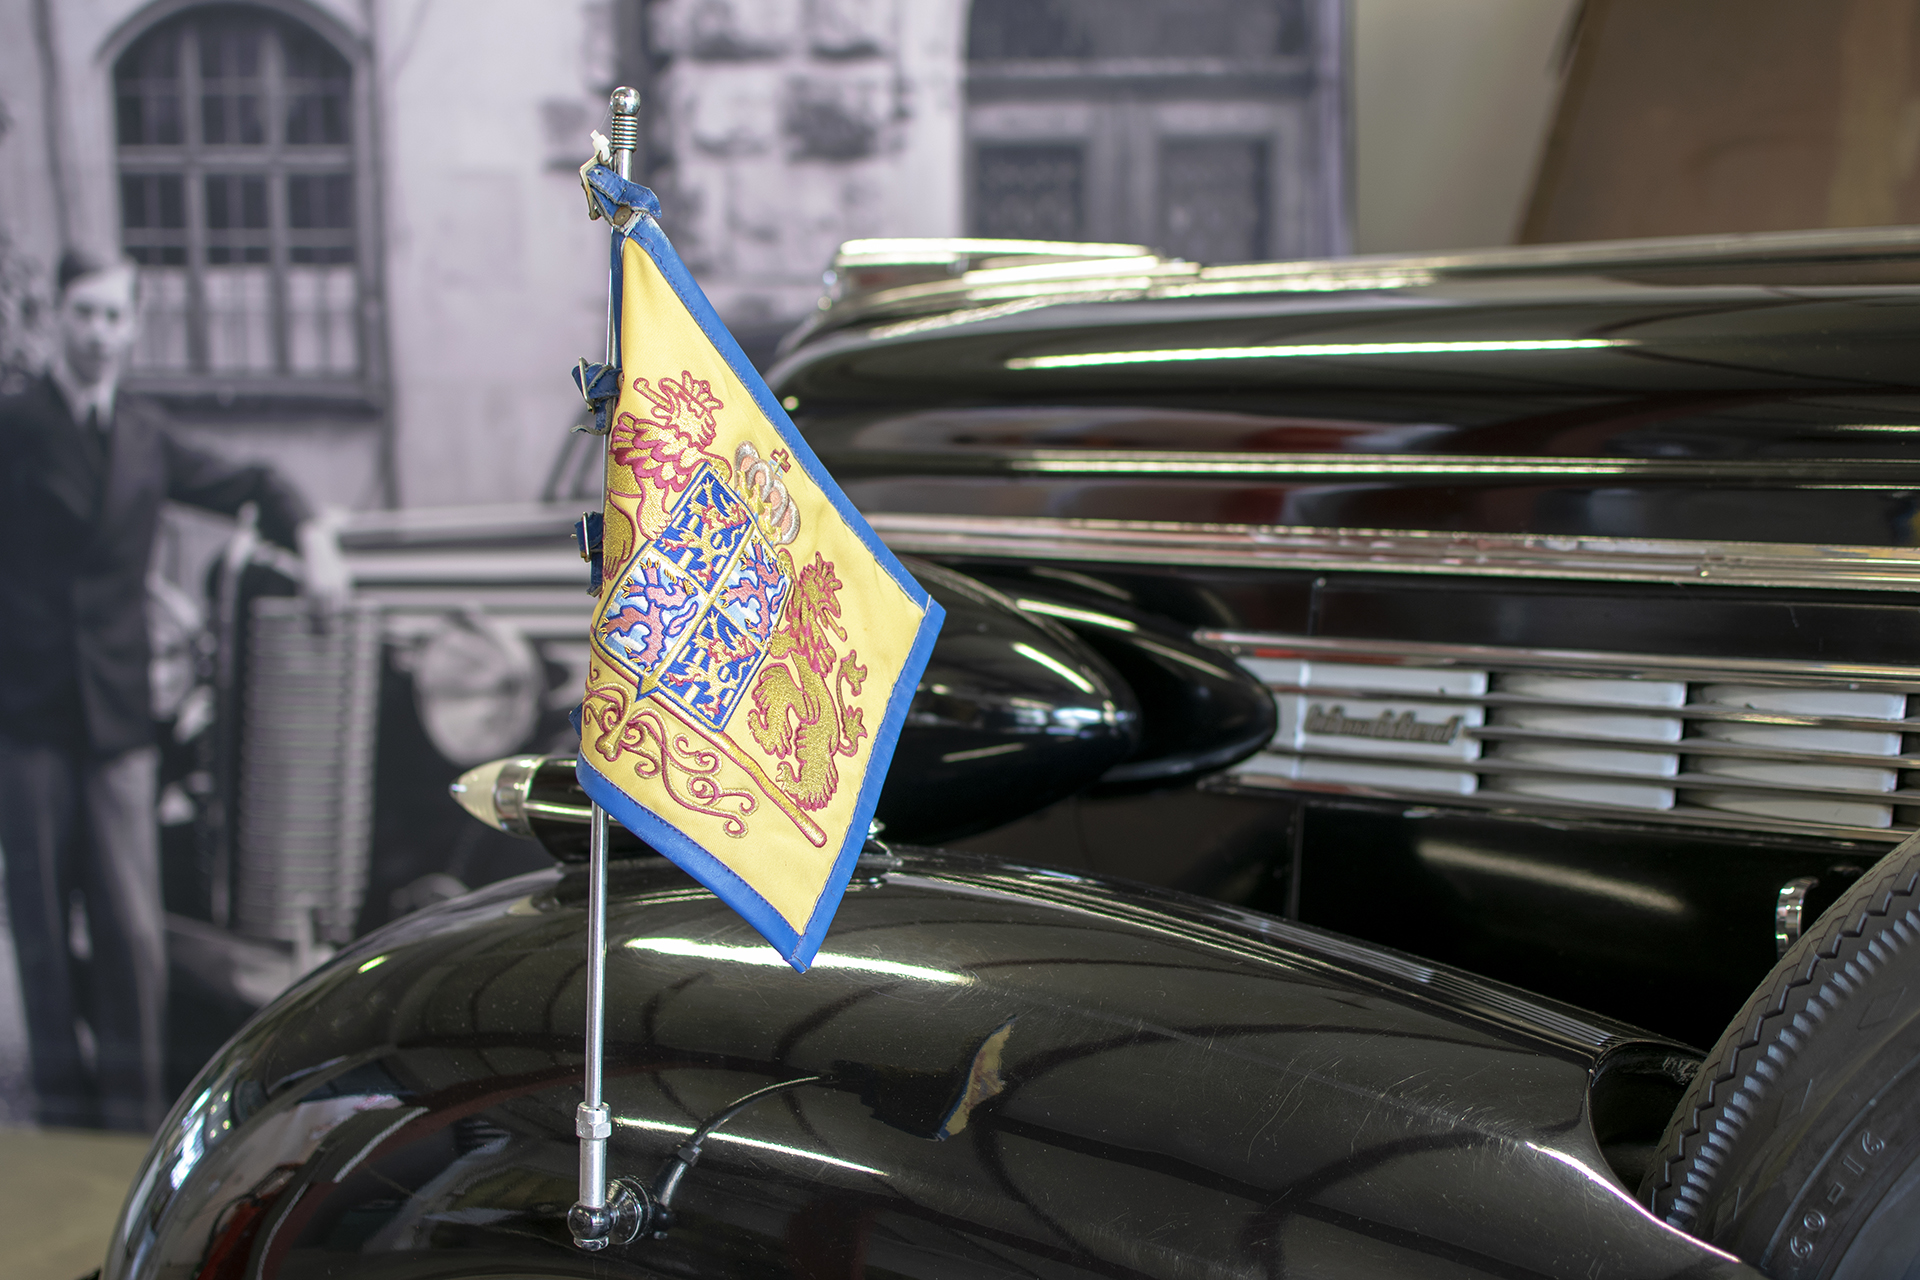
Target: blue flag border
x,y
798,948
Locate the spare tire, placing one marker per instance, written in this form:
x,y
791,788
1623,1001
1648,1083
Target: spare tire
x,y
1797,1145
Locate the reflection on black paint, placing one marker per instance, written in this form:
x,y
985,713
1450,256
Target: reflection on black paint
x,y
1188,1090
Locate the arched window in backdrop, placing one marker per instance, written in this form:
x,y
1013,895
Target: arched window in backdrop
x,y
1213,130
240,176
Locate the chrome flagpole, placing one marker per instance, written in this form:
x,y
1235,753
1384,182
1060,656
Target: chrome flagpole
x,y
593,1221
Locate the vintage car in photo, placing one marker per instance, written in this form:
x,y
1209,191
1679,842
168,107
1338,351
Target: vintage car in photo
x,y
1416,780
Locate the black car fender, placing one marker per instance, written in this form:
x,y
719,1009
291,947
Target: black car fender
x,y
1179,1088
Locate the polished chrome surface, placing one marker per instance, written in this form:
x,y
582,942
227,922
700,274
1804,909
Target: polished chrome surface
x,y
1791,747
862,268
592,1123
1281,547
1406,653
1403,468
540,798
1304,351
1789,916
968,274
496,793
409,576
1754,390
623,132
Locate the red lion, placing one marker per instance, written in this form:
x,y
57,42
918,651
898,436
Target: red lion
x,y
670,448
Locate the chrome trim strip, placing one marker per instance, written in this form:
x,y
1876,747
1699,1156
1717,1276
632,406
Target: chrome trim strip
x,y
1418,653
1321,468
1132,273
1691,711
1499,555
1539,807
1493,555
1308,351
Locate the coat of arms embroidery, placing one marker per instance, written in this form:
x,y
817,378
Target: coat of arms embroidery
x,y
754,645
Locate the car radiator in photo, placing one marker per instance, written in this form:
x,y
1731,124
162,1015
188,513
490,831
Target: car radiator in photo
x,y
1793,747
306,771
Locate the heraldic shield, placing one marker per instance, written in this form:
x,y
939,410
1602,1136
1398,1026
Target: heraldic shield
x,y
755,646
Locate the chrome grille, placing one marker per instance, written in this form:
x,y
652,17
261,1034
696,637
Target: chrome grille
x,y
1799,747
306,780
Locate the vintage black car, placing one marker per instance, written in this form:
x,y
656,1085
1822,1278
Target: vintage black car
x,y
1485,657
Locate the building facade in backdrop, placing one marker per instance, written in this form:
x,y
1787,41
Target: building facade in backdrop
x,y
363,240
352,242
365,259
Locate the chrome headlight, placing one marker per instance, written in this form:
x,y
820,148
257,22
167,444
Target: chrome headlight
x,y
476,685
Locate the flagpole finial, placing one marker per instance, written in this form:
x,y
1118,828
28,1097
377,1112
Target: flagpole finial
x,y
624,132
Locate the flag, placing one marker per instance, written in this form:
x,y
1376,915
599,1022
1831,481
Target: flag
x,y
754,646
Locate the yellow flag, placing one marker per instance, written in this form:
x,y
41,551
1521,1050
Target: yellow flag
x,y
754,647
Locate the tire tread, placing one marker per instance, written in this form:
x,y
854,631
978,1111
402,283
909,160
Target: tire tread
x,y
1847,944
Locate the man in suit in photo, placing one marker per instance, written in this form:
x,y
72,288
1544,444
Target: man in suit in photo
x,y
84,472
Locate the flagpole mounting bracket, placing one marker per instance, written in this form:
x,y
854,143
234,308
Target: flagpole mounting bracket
x,y
629,1213
600,388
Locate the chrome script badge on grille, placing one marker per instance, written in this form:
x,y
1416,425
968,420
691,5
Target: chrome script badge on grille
x,y
1385,726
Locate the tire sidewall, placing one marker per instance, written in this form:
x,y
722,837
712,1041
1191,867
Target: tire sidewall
x,y
1807,1110
1831,1180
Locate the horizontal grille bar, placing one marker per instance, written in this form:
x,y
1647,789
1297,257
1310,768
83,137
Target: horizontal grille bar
x,y
1693,747
1692,782
1801,748
1730,715
1573,662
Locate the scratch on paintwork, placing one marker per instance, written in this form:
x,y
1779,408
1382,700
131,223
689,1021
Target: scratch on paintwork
x,y
1301,1078
1278,1107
